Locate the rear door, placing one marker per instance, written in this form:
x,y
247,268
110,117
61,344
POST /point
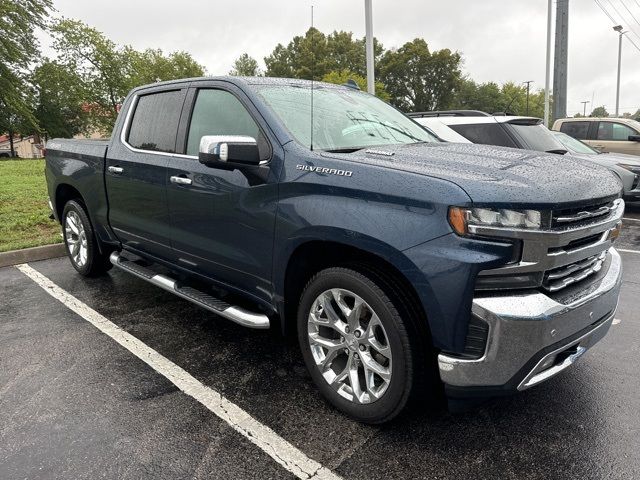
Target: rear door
x,y
136,171
223,220
612,136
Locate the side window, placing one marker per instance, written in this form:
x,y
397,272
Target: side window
x,y
154,125
217,112
485,133
614,131
579,130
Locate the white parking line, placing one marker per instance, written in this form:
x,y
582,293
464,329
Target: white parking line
x,y
631,219
287,455
637,252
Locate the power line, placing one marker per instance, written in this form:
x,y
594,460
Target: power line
x,y
606,12
615,22
630,12
623,17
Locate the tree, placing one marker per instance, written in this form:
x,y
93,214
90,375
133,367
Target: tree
x,y
152,66
486,97
18,48
600,112
418,79
318,54
245,66
102,66
636,116
60,107
341,77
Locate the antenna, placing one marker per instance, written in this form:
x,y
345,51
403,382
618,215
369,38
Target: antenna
x,y
313,65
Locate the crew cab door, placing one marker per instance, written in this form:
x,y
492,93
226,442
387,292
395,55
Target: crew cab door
x,y
223,220
136,171
613,136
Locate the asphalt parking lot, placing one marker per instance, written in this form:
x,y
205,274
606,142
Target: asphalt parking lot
x,y
74,403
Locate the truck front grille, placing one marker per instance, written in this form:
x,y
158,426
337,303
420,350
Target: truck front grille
x,y
571,216
561,277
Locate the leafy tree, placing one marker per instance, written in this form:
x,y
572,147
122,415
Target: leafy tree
x,y
102,66
60,107
245,66
152,66
486,97
341,77
599,112
418,79
319,54
636,116
18,46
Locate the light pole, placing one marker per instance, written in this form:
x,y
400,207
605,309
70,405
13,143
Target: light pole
x,y
368,15
621,32
584,104
547,81
528,82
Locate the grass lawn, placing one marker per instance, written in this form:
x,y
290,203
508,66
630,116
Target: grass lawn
x,y
24,213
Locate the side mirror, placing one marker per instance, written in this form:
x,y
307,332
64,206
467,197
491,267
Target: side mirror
x,y
634,138
228,151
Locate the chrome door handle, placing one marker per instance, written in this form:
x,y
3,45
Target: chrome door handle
x,y
116,170
181,180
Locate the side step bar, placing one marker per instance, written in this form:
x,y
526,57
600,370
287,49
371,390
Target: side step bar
x,y
208,302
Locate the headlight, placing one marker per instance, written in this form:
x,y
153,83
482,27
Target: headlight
x,y
631,168
461,218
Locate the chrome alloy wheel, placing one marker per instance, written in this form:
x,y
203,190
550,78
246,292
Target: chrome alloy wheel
x,y
76,238
350,346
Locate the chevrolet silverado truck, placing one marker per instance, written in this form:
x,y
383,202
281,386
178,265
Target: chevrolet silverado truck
x,y
401,262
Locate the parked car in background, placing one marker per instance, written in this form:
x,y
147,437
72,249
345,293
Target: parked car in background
x,y
528,133
627,167
399,260
619,135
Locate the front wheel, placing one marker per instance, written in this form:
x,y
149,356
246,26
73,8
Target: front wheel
x,y
80,241
356,345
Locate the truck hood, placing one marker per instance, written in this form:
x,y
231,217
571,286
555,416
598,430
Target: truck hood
x,y
499,175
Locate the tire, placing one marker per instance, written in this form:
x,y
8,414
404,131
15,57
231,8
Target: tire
x,y
382,354
81,243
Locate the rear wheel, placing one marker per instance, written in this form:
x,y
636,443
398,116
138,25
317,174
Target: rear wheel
x,y
80,241
356,345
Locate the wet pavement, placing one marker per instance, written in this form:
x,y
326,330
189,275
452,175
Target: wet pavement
x,y
75,404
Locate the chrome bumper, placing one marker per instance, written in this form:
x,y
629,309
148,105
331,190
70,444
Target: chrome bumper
x,y
533,337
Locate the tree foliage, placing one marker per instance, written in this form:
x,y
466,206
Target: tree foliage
x,y
316,54
341,77
18,47
245,66
151,66
599,112
418,79
60,100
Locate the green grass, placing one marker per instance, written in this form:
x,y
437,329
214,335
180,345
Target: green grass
x,y
24,213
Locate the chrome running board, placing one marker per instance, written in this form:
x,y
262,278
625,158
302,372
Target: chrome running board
x,y
204,300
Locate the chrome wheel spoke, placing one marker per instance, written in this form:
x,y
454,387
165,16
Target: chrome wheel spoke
x,y
76,238
350,346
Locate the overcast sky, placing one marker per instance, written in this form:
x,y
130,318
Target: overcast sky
x,y
500,40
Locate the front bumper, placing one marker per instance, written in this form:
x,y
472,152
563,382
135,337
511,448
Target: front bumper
x,y
533,336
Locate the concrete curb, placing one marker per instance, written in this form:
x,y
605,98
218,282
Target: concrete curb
x,y
26,255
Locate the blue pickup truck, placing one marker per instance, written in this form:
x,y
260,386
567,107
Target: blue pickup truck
x,y
401,262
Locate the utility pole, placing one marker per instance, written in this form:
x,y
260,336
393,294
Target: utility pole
x,y
560,60
528,82
584,105
547,80
368,15
619,29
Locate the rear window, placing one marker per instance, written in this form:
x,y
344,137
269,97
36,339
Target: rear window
x,y
485,134
537,137
579,130
154,125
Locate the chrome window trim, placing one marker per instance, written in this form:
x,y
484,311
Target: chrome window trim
x,y
125,130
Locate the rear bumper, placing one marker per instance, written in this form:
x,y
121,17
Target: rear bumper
x,y
533,337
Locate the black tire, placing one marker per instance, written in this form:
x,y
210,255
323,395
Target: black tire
x,y
405,352
96,263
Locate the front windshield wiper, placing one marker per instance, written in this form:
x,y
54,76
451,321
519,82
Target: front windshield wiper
x,y
558,151
344,150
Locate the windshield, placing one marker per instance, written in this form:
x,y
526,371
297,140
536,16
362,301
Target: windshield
x,y
343,119
574,145
538,137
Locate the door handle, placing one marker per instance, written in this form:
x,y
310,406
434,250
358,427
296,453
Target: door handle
x,y
180,180
116,170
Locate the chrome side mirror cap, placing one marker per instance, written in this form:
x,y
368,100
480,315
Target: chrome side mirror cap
x,y
228,150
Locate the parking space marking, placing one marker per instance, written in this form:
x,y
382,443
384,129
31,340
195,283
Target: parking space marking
x,y
286,454
628,251
631,219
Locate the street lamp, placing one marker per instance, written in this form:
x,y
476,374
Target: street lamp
x,y
368,15
621,32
